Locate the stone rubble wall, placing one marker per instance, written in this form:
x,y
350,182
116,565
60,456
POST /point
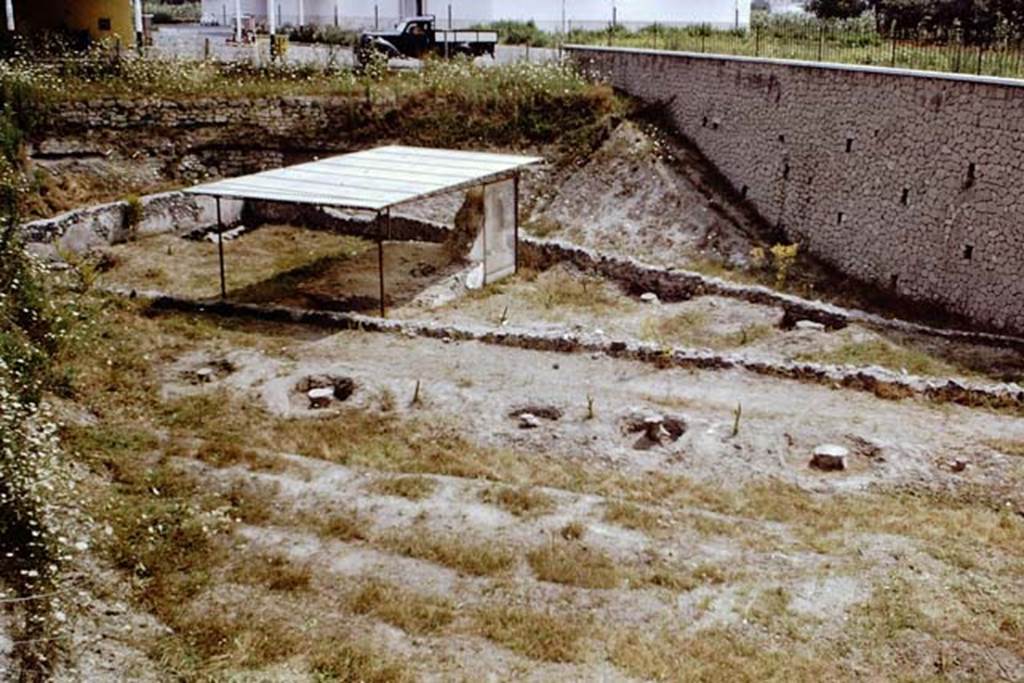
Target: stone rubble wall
x,y
636,277
203,137
883,383
356,224
181,213
281,116
98,226
910,181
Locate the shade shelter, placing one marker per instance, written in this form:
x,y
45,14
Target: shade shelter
x,y
378,180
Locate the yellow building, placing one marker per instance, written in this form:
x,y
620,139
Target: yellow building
x,y
102,19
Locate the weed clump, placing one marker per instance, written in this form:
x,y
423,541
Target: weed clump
x,y
574,565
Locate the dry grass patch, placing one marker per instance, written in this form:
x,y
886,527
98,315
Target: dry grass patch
x,y
274,572
712,655
574,565
1007,446
413,613
560,289
692,328
214,638
632,516
339,525
413,488
770,609
344,661
476,559
544,636
677,578
885,354
573,531
222,453
521,501
255,257
253,502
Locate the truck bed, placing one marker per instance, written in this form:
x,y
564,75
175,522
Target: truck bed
x,y
443,36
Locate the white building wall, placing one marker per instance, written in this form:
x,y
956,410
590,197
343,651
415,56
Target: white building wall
x,y
546,13
632,13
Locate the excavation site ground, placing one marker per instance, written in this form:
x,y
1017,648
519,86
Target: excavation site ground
x,y
669,447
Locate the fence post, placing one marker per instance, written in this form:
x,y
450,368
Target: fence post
x,y
703,39
757,41
892,30
959,51
821,40
981,56
376,17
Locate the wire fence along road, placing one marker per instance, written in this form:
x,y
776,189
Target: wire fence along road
x,y
827,43
807,41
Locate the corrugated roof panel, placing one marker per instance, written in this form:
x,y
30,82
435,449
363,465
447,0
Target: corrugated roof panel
x,y
373,179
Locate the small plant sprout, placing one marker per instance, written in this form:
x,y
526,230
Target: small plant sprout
x,y
590,407
133,212
737,415
416,398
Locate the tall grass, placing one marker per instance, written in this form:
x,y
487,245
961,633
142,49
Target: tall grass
x,y
852,41
446,103
34,480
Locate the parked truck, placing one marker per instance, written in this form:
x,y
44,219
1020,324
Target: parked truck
x,y
418,37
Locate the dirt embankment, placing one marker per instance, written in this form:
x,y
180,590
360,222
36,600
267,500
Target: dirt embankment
x,y
649,196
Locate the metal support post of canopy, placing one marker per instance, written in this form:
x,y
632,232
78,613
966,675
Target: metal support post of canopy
x,y
378,180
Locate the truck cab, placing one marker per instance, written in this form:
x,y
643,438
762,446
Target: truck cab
x,y
418,37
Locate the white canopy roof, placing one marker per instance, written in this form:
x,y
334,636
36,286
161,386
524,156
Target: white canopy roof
x,y
371,180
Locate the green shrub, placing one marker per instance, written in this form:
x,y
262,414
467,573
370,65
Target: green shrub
x,y
174,12
133,212
327,35
517,33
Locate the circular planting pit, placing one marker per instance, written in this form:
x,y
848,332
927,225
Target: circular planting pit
x,y
654,429
324,390
208,372
530,416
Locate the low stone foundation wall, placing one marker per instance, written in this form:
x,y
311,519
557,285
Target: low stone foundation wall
x,y
883,383
402,228
181,213
97,226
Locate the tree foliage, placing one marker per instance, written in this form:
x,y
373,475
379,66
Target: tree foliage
x,y
837,9
973,20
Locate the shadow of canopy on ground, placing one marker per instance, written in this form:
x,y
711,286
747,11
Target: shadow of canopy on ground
x,y
380,179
